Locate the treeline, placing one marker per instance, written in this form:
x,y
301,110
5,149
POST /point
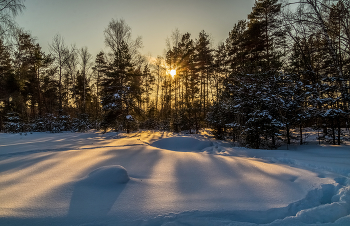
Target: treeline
x,y
283,68
288,68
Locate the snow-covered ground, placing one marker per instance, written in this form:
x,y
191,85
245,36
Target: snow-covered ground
x,y
160,178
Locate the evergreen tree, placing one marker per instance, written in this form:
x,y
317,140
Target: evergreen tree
x,y
117,99
235,48
204,64
100,69
264,24
29,61
188,78
148,82
83,92
7,82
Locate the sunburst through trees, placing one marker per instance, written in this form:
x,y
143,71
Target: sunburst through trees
x,y
281,68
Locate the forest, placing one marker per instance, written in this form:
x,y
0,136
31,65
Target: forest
x,y
283,68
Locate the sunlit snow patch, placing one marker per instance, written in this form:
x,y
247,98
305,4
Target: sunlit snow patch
x,y
182,143
107,176
329,203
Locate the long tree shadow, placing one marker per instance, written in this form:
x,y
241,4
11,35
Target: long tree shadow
x,y
92,200
206,181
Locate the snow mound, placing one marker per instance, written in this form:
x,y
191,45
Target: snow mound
x,y
182,143
107,176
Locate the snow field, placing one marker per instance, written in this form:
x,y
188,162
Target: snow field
x,y
164,179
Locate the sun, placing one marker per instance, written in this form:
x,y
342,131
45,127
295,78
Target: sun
x,y
173,73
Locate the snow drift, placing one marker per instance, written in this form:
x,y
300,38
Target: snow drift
x,y
107,176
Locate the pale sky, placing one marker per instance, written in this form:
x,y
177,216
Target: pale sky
x,y
82,22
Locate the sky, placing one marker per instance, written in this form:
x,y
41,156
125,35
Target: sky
x,y
82,22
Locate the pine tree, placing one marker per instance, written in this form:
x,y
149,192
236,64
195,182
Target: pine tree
x,y
204,64
6,75
264,24
148,82
100,69
159,70
50,91
235,48
117,99
29,63
187,74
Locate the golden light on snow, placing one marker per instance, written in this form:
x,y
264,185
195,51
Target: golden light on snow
x,y
173,73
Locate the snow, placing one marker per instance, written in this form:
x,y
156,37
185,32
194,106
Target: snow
x,y
107,176
161,178
182,143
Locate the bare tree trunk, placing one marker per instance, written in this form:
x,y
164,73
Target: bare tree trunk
x,y
301,133
39,92
288,135
60,89
339,131
158,77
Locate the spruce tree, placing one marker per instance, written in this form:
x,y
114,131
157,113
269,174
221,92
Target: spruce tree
x,y
117,99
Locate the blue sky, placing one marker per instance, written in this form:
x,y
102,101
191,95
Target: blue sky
x,y
82,22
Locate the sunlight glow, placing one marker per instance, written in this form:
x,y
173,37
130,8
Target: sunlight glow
x,y
173,73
